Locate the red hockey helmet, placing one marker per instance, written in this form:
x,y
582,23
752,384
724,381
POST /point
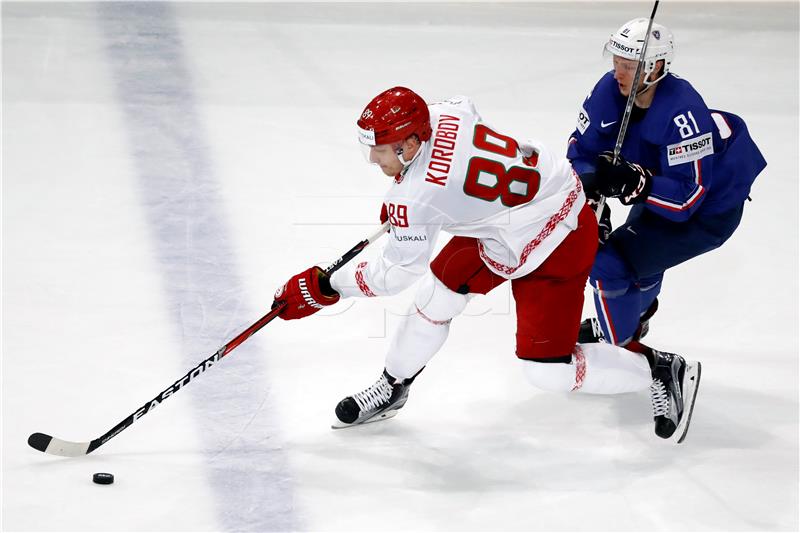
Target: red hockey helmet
x,y
393,116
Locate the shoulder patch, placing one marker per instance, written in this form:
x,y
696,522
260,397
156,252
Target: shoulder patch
x,y
690,149
583,120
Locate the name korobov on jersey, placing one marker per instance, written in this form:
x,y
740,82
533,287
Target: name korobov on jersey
x,y
519,200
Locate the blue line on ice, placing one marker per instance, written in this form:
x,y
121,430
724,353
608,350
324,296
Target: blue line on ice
x,y
183,206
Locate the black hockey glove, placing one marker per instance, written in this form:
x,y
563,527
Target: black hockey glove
x,y
629,182
590,188
604,224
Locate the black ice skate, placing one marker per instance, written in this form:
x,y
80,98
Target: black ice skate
x,y
378,402
590,330
673,391
644,321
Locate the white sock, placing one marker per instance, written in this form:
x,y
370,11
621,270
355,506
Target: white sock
x,y
596,368
415,342
424,328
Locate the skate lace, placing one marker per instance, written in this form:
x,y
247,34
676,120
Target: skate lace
x,y
374,396
659,398
597,331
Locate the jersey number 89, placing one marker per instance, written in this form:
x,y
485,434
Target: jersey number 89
x,y
489,180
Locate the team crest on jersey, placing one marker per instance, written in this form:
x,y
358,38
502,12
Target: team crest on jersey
x,y
690,149
657,34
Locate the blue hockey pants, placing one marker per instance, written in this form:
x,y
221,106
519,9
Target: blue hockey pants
x,y
629,267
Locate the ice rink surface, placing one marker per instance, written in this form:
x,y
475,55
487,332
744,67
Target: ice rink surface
x,y
167,166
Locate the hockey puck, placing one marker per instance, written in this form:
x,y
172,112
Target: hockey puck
x,y
103,478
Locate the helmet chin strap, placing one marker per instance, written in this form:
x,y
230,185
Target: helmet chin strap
x,y
405,163
648,82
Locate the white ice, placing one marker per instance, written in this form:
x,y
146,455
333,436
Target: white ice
x,y
167,166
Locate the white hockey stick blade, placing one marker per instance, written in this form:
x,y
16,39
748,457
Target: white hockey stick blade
x,y
691,385
377,418
53,446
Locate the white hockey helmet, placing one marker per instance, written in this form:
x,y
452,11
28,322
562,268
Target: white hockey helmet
x,y
627,42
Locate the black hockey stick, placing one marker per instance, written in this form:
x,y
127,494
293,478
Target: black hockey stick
x,y
626,115
52,445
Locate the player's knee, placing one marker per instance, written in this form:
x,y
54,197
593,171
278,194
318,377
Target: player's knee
x,y
610,266
548,345
436,302
549,375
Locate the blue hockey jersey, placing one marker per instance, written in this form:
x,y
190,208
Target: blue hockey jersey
x,y
703,161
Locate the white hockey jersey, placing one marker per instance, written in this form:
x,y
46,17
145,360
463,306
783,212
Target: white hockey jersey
x,y
472,181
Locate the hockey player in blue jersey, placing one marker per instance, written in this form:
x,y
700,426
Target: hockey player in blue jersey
x,y
685,169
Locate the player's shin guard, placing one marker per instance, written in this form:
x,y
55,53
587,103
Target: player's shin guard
x,y
424,330
594,369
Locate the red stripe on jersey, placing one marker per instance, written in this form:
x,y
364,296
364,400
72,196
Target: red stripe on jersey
x,y
674,206
698,173
678,207
548,228
362,285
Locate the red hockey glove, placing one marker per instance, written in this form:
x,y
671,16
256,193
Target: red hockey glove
x,y
630,182
305,294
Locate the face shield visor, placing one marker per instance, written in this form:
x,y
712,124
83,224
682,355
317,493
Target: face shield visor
x,y
375,154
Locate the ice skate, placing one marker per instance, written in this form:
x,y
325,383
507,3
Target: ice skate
x,y
590,330
378,402
673,392
644,321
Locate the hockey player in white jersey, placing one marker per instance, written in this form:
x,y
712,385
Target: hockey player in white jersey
x,y
516,211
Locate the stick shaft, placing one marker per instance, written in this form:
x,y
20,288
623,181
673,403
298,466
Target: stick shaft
x,y
42,442
626,115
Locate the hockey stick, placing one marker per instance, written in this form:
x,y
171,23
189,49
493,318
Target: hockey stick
x,y
626,115
48,444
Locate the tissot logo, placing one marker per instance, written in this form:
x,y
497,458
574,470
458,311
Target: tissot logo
x,y
583,120
690,146
622,47
690,149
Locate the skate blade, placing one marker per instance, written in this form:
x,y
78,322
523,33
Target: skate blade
x,y
377,418
691,384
